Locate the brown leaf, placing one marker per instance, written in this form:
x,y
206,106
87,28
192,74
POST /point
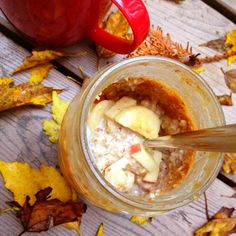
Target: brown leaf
x,y
220,225
216,44
48,213
230,79
117,25
225,99
223,213
25,94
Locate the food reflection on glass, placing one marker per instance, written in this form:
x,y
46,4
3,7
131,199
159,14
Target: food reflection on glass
x,y
121,117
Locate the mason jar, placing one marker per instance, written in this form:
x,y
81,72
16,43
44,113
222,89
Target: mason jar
x,y
76,159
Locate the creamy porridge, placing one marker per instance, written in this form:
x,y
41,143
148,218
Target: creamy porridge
x,y
120,119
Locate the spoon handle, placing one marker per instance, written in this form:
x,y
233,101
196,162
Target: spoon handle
x,y
218,139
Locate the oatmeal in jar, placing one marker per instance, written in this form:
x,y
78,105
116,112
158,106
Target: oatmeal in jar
x,y
122,116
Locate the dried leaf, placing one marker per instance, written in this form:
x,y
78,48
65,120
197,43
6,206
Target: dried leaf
x,y
225,99
216,44
230,45
51,127
220,225
230,79
100,230
44,213
229,164
34,179
38,58
25,94
223,213
198,69
9,209
117,25
4,81
38,73
141,220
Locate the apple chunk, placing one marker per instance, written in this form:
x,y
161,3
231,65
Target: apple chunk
x,y
97,113
149,160
141,120
119,105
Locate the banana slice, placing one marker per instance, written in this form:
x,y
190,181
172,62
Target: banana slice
x,y
141,120
97,113
119,105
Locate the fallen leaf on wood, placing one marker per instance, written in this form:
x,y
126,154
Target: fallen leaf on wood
x,y
117,25
229,164
225,99
220,225
25,94
19,175
141,220
100,230
51,127
230,79
9,209
198,69
230,45
41,57
4,81
216,44
38,73
46,213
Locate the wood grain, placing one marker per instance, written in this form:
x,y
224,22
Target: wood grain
x,y
22,139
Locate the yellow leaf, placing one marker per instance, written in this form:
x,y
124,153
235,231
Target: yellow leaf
x,y
117,25
198,69
229,164
38,73
73,226
4,81
52,127
22,180
25,94
38,58
217,227
141,220
230,45
100,230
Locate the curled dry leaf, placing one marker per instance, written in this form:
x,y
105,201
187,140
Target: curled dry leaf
x,y
230,45
229,164
220,225
225,99
38,73
51,127
230,79
216,44
24,94
100,230
45,213
116,24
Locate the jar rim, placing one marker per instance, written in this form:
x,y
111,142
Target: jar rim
x,y
91,88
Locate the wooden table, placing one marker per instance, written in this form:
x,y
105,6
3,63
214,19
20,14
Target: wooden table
x,y
22,138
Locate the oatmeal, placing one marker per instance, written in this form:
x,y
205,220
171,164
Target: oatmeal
x,y
124,115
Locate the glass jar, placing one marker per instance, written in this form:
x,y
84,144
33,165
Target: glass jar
x,y
77,163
